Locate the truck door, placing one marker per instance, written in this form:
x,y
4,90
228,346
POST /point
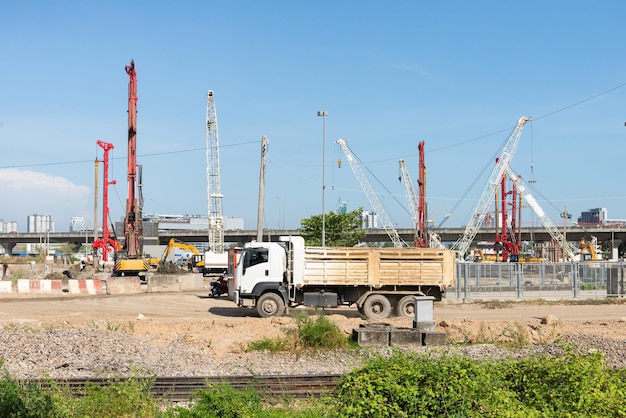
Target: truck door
x,y
255,268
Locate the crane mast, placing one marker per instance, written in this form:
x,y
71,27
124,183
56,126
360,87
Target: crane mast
x,y
416,209
132,221
480,211
216,221
421,239
371,196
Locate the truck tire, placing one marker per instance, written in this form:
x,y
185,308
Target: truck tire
x,y
406,307
377,307
270,304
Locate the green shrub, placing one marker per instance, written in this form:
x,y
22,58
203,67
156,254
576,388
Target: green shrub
x,y
408,385
24,400
272,345
320,333
125,398
223,401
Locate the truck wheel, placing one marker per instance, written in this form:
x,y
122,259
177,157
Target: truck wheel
x,y
270,304
377,307
406,307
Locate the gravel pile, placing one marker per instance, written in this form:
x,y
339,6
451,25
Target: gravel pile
x,y
83,353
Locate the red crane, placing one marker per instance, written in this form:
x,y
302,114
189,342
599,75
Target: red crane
x,y
504,240
421,235
106,240
131,229
131,261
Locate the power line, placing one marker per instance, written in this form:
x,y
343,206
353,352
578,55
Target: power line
x,y
154,154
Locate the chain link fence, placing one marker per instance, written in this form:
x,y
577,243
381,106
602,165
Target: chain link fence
x,y
538,280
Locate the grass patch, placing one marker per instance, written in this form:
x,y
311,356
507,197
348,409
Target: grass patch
x,y
309,334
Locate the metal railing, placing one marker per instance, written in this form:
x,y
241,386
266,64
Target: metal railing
x,y
538,280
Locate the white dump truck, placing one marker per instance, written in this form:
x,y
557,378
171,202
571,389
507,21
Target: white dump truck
x,y
272,276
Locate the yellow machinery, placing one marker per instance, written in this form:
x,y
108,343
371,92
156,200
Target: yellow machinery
x,y
588,250
195,261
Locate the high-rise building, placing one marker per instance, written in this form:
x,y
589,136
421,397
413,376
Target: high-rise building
x,y
8,227
593,217
370,220
40,223
78,224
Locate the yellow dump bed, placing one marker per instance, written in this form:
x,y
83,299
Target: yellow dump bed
x,y
378,266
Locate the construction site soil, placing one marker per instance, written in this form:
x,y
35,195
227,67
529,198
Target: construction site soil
x,y
192,334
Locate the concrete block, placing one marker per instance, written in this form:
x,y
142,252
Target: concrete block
x,y
191,282
6,287
404,336
162,283
372,334
431,339
123,285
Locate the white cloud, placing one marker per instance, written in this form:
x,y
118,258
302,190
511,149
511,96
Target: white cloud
x,y
25,192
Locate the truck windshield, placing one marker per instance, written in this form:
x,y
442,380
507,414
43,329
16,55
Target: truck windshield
x,y
255,256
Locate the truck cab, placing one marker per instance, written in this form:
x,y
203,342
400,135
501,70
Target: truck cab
x,y
258,277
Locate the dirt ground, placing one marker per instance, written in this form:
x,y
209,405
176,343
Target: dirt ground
x,y
219,325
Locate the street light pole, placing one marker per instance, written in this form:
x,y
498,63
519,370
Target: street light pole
x,y
565,215
323,114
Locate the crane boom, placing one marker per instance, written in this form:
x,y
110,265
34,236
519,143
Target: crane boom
x,y
569,250
480,211
214,193
371,196
409,190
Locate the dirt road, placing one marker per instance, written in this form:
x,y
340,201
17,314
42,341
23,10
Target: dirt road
x,y
200,306
218,323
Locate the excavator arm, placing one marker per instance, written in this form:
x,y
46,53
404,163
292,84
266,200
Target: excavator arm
x,y
174,243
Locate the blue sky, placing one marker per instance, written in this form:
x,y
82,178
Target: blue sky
x,y
455,74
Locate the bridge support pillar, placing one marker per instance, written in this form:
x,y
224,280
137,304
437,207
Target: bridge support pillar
x,y
8,246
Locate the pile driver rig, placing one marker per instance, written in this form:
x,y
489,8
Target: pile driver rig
x,y
130,261
106,241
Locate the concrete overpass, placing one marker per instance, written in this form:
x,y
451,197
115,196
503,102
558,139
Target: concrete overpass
x,y
448,235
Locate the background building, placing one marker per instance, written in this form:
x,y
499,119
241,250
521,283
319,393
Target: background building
x,y
78,224
370,220
8,227
40,223
169,222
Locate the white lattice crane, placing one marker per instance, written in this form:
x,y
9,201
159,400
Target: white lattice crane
x,y
569,250
499,170
371,196
214,193
409,190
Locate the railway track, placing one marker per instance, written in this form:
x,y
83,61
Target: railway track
x,y
180,389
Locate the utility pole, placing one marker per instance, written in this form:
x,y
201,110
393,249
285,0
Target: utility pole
x,y
323,114
259,223
565,215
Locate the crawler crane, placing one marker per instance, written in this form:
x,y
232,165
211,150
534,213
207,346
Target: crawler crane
x,y
480,211
215,259
371,196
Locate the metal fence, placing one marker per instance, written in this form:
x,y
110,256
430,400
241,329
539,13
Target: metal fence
x,y
538,280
